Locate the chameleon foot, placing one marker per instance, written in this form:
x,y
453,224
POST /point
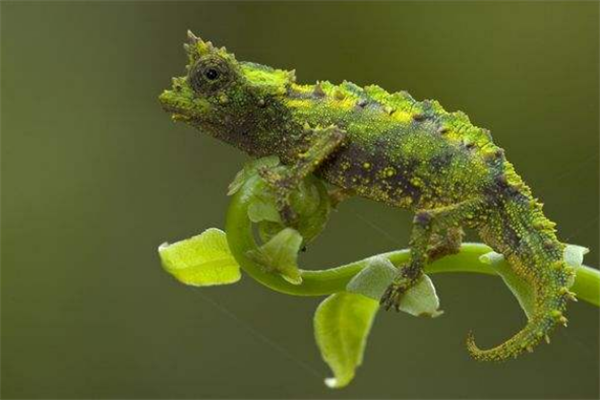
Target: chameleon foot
x,y
395,291
282,185
392,296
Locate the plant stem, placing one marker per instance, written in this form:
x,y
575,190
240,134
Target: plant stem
x,y
332,280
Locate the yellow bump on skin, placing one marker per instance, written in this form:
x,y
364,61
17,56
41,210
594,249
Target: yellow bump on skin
x,y
416,182
557,265
299,103
303,88
565,291
407,201
556,313
389,172
367,165
539,334
401,116
344,104
538,224
339,95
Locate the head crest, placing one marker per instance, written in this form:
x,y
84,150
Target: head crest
x,y
196,48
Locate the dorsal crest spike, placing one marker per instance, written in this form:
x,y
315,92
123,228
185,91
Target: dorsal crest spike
x,y
318,90
193,39
292,75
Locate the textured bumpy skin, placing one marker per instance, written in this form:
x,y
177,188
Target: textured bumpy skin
x,y
390,148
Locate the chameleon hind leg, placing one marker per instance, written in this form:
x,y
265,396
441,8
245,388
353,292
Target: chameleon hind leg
x,y
427,244
324,142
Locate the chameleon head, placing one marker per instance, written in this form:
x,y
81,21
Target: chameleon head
x,y
226,98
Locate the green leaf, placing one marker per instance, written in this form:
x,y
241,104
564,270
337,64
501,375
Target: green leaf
x,y
280,255
573,256
420,300
342,323
203,260
373,280
260,210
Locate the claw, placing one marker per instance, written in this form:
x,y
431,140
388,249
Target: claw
x,y
391,297
395,291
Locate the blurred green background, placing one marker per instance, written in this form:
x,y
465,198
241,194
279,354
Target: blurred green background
x,y
95,176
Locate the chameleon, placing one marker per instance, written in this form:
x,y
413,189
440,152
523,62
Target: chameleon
x,y
390,148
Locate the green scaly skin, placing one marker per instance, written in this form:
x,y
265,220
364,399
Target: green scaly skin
x,y
389,148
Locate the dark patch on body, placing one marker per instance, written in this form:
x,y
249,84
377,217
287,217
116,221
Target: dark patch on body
x,y
361,104
441,162
373,106
356,169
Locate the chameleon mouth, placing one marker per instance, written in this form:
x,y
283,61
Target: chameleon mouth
x,y
182,104
172,103
166,101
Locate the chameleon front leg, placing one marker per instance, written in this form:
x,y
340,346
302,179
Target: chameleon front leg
x,y
323,143
426,224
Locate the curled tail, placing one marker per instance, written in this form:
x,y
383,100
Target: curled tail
x,y
518,229
546,317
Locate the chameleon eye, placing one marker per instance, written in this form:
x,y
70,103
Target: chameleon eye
x,y
211,74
